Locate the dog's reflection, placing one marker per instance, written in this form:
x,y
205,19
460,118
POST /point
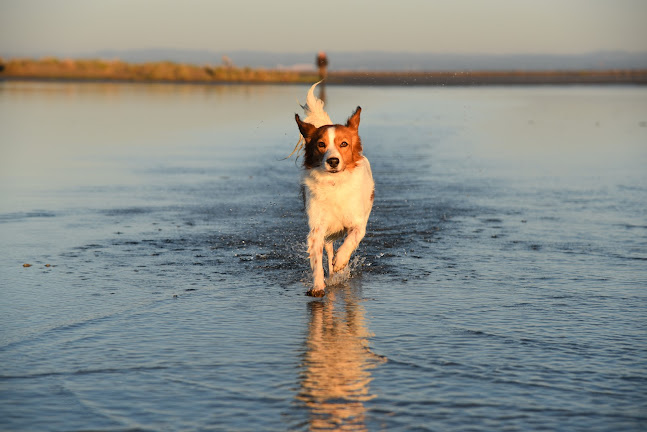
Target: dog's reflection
x,y
336,371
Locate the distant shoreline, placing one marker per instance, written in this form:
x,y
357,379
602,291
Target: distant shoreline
x,y
484,78
115,71
431,79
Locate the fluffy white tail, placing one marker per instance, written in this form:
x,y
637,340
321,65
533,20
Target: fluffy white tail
x,y
315,115
314,109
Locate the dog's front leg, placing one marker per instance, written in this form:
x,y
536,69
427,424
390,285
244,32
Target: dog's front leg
x,y
354,236
315,252
328,246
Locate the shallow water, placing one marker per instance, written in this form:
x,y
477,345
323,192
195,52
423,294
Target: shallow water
x,y
501,285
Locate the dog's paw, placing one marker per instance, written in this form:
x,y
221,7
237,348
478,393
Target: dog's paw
x,y
340,267
340,262
319,288
316,293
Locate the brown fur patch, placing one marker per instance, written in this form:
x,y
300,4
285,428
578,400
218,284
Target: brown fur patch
x,y
352,153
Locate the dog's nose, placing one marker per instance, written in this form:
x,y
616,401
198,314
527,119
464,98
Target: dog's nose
x,y
333,162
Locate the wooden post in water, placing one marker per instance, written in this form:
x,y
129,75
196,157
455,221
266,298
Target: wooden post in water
x,y
322,64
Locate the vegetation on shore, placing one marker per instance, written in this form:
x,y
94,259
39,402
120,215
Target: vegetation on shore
x,y
116,70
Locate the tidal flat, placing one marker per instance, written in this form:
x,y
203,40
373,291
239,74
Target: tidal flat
x,y
501,284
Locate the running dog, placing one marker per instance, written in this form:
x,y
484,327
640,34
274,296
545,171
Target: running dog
x,y
338,187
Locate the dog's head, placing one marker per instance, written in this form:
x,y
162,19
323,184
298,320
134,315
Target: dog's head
x,y
332,148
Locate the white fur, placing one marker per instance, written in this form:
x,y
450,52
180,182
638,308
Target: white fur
x,y
314,109
337,204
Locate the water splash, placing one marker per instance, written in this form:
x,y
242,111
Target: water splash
x,y
342,277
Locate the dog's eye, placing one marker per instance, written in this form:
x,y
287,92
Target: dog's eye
x,y
321,144
343,144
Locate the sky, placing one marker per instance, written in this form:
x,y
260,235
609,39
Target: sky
x,y
56,27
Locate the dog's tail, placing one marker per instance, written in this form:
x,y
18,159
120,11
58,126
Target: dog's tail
x,y
315,115
314,109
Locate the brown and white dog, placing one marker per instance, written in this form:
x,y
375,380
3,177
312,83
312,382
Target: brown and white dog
x,y
338,185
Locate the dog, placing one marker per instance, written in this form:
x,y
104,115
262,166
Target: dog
x,y
338,188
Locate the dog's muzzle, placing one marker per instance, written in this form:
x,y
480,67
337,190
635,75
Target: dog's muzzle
x,y
332,162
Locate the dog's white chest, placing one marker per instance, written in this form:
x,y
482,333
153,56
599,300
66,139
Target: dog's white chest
x,y
339,201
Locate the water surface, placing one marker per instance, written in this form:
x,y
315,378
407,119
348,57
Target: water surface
x,y
501,285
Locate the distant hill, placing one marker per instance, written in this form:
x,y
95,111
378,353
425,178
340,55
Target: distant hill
x,y
379,61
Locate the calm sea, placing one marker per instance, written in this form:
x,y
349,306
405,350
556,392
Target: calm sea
x,y
502,284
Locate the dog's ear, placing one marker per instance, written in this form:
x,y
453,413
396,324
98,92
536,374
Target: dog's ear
x,y
306,129
353,121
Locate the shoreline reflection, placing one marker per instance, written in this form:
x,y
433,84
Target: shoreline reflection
x,y
336,369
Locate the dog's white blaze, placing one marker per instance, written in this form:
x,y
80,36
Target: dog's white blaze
x,y
332,152
331,138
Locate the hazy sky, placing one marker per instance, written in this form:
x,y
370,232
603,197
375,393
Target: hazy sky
x,y
31,27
